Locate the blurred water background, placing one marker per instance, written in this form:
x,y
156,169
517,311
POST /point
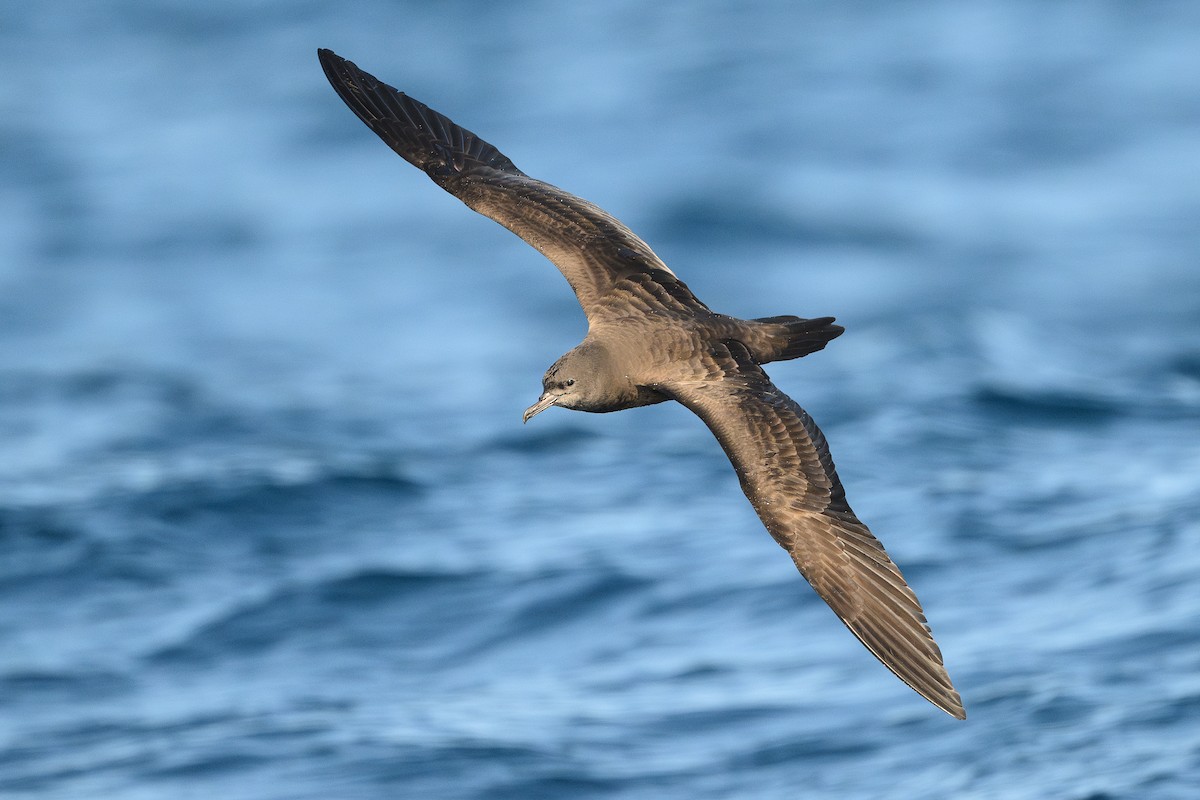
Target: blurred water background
x,y
270,526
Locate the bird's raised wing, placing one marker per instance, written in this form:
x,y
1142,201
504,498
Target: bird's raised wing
x,y
784,466
592,249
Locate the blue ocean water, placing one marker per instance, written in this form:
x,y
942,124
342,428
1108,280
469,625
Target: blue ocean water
x,y
270,526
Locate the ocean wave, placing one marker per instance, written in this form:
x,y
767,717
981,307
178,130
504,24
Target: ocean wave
x,y
1058,405
822,748
371,604
270,484
21,687
131,432
1051,405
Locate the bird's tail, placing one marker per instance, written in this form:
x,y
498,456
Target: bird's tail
x,y
785,337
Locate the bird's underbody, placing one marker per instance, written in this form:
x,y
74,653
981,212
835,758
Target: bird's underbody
x,y
651,340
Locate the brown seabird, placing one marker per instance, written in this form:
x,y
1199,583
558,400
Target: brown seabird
x,y
650,340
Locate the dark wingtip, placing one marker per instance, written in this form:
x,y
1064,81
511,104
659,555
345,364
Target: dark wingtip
x,y
339,71
327,58
420,135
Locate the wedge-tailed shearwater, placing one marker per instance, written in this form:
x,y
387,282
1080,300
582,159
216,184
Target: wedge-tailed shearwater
x,y
650,340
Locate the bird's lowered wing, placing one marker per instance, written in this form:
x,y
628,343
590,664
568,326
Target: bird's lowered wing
x,y
784,466
592,249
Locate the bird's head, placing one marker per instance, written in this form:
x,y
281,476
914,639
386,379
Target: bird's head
x,y
578,381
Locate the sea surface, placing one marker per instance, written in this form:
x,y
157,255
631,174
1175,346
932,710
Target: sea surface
x,y
270,525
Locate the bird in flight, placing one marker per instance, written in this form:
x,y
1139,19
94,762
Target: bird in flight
x,y
651,340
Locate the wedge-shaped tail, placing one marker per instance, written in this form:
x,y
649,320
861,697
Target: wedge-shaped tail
x,y
788,337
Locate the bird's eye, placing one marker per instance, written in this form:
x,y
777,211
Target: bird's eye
x,y
570,382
